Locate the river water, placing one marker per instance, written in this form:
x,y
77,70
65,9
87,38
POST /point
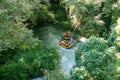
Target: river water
x,y
67,60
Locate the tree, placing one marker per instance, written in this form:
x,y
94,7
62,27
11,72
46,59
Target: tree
x,y
13,32
92,17
95,61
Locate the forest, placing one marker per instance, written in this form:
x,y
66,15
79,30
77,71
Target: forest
x,y
59,39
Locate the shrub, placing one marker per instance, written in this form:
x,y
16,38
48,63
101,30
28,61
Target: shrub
x,y
32,63
13,32
114,36
103,14
118,69
116,29
6,55
56,75
95,61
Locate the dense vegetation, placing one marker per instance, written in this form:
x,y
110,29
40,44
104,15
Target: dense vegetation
x,y
30,63
95,59
23,55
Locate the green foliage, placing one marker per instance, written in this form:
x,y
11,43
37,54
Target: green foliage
x,y
13,32
92,17
114,37
95,61
117,27
22,59
82,13
118,68
49,12
14,71
41,14
32,63
115,12
6,55
56,75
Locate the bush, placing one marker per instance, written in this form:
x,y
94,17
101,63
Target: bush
x,y
56,75
32,63
95,61
116,30
114,36
6,55
13,31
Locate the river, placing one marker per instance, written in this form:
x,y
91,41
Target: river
x,y
52,37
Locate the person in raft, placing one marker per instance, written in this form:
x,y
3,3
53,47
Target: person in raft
x,y
67,35
65,43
